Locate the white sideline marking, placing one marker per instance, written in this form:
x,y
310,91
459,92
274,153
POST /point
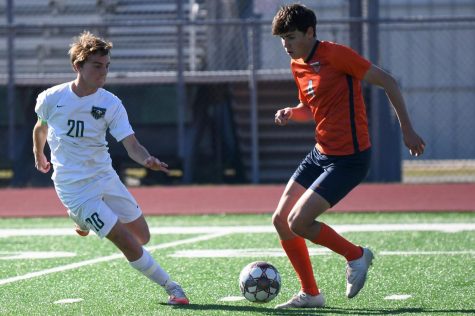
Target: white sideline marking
x,y
249,252
427,253
16,255
442,227
217,232
104,259
232,299
278,252
398,297
60,268
68,301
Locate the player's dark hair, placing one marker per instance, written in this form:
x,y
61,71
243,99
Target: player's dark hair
x,y
294,17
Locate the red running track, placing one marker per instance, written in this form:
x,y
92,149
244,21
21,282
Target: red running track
x,y
243,199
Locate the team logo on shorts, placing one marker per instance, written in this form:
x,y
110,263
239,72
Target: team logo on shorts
x,y
97,112
316,66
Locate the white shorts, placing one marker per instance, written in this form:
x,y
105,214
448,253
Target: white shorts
x,y
96,204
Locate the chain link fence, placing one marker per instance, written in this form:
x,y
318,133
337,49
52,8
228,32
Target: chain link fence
x,y
209,75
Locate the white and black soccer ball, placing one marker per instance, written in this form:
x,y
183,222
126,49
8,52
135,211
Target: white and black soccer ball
x,y
259,282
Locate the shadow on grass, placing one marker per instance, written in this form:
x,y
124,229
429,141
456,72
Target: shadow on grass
x,y
320,311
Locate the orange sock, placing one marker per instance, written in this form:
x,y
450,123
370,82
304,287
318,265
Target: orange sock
x,y
297,251
335,242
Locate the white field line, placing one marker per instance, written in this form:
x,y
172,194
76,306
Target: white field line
x,y
441,227
427,253
398,297
69,301
278,252
105,259
217,231
244,253
19,255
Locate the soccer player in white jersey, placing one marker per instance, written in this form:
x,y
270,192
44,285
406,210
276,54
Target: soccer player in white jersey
x,y
73,118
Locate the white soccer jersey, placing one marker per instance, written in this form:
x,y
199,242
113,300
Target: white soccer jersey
x,y
77,130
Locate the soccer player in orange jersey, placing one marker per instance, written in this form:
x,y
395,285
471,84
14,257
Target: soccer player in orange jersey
x,y
328,79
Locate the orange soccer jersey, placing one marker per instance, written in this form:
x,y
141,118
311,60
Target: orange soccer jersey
x,y
329,83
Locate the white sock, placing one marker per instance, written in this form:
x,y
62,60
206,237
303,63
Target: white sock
x,y
151,269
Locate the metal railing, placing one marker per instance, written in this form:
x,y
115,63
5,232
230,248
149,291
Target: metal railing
x,y
199,51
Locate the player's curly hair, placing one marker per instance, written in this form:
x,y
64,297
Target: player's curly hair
x,y
294,17
85,45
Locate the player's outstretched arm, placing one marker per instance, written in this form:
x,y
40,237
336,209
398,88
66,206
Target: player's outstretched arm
x,y
40,132
140,154
381,78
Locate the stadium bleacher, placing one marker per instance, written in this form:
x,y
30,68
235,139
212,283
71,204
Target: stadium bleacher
x,y
41,52
42,49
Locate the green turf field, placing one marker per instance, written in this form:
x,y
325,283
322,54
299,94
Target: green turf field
x,y
424,266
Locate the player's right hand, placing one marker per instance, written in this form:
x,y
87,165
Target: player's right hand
x,y
42,164
283,116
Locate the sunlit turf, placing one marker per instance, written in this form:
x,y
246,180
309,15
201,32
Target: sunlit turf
x,y
438,284
259,219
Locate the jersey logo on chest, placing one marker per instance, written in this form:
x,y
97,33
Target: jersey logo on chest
x,y
316,66
98,112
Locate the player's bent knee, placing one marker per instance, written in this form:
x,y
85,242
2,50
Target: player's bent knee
x,y
295,226
276,219
296,229
126,243
279,221
139,229
144,238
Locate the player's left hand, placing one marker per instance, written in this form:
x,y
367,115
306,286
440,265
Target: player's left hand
x,y
156,165
414,142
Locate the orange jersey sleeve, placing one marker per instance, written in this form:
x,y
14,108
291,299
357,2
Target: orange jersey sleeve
x,y
348,61
329,83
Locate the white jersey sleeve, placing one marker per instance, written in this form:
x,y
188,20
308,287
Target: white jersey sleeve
x,y
41,107
119,125
46,101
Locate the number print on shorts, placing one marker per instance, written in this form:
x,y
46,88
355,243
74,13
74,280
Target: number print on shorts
x,y
95,221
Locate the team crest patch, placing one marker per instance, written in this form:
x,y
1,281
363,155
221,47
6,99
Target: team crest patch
x,y
98,112
316,66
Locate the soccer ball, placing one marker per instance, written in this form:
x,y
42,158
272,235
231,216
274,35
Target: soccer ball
x,y
259,282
